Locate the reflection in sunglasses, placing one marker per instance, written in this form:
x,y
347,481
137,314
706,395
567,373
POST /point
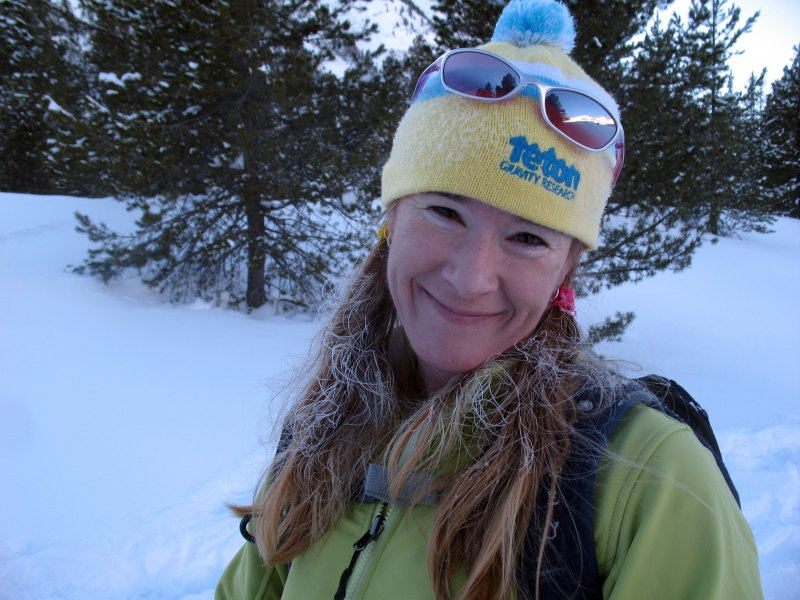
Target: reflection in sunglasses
x,y
507,85
605,121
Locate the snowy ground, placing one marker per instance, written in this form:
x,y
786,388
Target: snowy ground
x,y
126,423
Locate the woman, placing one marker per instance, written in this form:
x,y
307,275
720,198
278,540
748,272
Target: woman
x,y
427,455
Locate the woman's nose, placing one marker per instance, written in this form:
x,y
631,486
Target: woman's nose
x,y
473,269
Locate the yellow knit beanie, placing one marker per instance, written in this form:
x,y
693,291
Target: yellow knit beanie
x,y
504,153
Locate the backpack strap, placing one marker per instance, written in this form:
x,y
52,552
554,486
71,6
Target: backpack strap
x,y
677,403
570,562
283,444
569,566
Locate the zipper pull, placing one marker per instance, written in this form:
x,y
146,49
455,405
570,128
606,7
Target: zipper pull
x,y
375,530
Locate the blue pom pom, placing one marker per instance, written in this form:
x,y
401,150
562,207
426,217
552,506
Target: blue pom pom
x,y
528,22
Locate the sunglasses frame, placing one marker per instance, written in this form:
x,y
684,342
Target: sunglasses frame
x,y
618,140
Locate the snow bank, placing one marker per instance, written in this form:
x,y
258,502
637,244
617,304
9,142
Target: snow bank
x,y
765,466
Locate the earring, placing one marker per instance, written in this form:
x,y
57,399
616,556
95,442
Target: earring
x,y
383,232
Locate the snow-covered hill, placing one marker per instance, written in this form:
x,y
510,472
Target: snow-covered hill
x,y
126,423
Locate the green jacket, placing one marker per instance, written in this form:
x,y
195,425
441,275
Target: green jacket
x,y
666,526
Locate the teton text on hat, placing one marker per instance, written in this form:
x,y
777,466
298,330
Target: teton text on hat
x,y
541,167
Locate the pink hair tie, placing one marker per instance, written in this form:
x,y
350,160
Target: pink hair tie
x,y
564,300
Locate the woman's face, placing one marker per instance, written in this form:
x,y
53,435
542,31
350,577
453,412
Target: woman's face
x,y
469,280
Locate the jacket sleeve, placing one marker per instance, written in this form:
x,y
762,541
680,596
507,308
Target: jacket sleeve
x,y
248,578
666,524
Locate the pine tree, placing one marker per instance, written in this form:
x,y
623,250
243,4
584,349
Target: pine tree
x,y
712,31
465,23
605,35
691,161
39,78
219,124
642,231
378,103
750,204
782,130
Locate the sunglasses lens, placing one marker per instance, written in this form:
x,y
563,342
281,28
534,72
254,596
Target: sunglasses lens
x,y
479,75
434,68
580,118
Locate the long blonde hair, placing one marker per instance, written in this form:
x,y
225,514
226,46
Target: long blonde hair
x,y
363,403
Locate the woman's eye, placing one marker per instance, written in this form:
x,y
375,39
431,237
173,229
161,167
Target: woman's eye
x,y
446,213
529,239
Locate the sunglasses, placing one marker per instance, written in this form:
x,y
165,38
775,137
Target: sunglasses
x,y
577,116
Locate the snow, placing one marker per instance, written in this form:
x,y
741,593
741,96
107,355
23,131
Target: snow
x,y
55,107
118,81
398,21
126,423
734,326
110,78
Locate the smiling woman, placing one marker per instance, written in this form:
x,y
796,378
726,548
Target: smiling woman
x,y
455,436
469,280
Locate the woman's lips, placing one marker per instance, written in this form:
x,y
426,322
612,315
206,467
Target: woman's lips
x,y
459,315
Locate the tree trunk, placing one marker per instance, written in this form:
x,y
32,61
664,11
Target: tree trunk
x,y
256,254
714,218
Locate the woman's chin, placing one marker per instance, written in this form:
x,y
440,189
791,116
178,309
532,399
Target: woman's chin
x,y
443,369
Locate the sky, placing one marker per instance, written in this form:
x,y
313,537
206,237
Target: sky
x,y
770,43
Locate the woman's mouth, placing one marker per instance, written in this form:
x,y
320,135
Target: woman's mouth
x,y
459,315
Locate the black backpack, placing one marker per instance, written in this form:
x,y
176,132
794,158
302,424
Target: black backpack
x,y
570,563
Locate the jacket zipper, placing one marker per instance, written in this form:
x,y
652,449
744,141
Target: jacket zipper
x,y
362,550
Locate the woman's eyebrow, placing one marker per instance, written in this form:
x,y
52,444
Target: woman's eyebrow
x,y
524,221
458,198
